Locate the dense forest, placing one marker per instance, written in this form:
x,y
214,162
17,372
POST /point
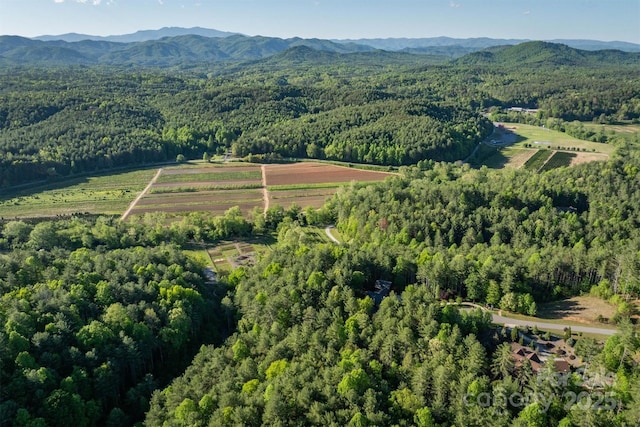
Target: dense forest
x,y
63,121
304,344
110,322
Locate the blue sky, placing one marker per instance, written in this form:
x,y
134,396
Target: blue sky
x,y
333,19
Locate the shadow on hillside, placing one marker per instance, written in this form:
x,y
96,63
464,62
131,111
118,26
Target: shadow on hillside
x,y
490,157
504,137
560,309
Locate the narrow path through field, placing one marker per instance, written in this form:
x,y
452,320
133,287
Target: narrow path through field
x,y
553,153
265,192
327,230
137,199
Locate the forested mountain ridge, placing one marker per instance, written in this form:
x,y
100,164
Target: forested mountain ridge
x,y
183,49
367,107
539,53
391,44
479,43
98,315
167,51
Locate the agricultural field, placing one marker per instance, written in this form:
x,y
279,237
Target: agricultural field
x,y
229,255
518,145
508,157
538,160
314,197
102,194
317,173
310,184
203,187
188,187
217,187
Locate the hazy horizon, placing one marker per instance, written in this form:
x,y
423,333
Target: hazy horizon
x,y
613,20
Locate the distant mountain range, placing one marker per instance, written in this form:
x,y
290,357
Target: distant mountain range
x,y
179,46
419,45
475,44
141,36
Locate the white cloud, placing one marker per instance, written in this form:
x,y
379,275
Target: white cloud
x,y
526,12
454,5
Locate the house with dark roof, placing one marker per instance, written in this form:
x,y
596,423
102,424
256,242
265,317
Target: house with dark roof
x,y
382,290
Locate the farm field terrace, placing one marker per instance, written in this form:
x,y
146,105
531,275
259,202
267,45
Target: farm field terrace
x,y
102,194
519,145
190,187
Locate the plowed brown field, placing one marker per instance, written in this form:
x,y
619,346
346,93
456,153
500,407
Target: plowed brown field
x,y
215,189
318,173
303,198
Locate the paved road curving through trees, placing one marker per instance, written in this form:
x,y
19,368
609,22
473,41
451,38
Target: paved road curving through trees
x,y
509,321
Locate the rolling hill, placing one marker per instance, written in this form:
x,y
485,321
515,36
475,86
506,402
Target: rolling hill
x,y
540,53
198,49
167,51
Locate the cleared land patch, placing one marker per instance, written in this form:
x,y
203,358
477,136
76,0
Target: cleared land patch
x,y
229,255
509,157
102,194
303,198
539,137
318,173
514,145
584,309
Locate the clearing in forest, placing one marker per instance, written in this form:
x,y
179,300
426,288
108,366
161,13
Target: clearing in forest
x,y
216,188
102,194
537,148
310,184
318,173
189,187
582,309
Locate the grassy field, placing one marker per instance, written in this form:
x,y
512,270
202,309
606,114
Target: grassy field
x,y
576,311
199,255
104,194
506,157
218,176
538,136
